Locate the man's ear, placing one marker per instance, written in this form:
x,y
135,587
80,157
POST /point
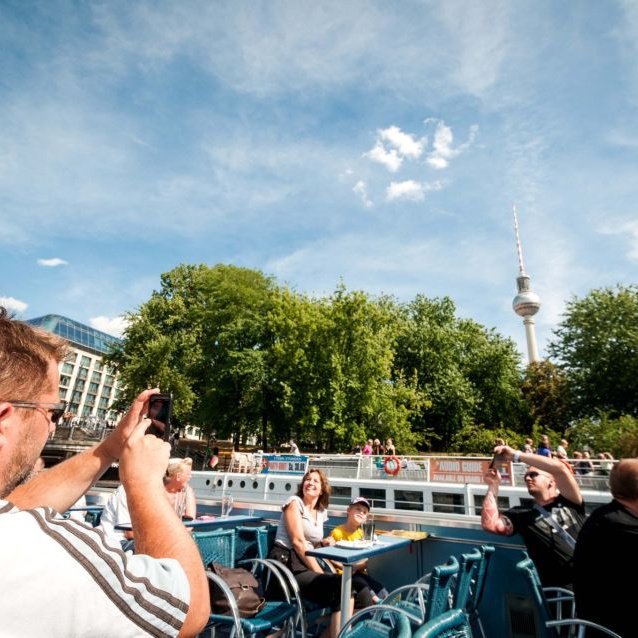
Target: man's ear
x,y
6,412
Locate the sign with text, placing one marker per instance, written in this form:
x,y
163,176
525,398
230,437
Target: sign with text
x,y
465,471
284,464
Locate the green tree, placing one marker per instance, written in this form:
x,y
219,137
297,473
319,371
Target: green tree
x,y
596,344
545,388
468,373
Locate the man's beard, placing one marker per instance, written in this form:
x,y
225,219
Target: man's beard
x,y
19,471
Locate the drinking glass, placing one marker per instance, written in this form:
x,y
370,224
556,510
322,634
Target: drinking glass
x,y
227,505
368,529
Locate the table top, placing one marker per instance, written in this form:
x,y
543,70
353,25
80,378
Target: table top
x,y
216,522
350,556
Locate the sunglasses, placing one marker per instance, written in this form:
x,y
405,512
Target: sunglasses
x,y
56,410
531,475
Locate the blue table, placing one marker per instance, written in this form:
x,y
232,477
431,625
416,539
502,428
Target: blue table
x,y
209,524
349,557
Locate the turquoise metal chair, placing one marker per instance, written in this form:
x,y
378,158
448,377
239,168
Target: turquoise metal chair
x,y
556,627
277,616
216,546
453,623
424,600
379,621
470,584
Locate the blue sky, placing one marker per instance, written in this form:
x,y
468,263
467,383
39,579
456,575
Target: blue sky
x,y
379,144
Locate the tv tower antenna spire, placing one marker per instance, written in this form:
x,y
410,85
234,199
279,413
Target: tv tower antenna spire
x,y
526,303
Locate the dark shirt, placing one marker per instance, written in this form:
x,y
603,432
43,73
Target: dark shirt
x,y
607,547
551,553
544,451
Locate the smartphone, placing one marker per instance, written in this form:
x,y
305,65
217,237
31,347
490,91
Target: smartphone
x,y
497,460
160,411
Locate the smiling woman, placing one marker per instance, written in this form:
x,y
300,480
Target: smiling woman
x,y
300,529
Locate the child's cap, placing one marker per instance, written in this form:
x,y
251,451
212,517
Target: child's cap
x,y
360,499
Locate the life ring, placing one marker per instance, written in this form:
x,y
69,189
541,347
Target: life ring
x,y
391,465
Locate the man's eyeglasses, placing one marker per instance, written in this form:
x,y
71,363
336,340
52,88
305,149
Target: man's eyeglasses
x,y
531,475
57,410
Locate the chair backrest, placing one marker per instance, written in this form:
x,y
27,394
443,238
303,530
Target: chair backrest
x,y
468,568
450,624
442,580
478,585
528,569
216,546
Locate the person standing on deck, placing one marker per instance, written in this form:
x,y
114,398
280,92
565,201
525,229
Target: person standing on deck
x,y
550,526
100,591
606,546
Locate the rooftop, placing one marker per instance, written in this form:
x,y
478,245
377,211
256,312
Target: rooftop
x,y
76,333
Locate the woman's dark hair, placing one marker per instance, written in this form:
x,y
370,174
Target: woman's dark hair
x,y
326,490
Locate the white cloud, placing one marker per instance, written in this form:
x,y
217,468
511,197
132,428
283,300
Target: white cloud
x,y
52,263
411,190
392,146
405,190
361,190
443,149
406,145
114,326
10,303
390,159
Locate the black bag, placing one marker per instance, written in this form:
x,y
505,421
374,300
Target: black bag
x,y
244,587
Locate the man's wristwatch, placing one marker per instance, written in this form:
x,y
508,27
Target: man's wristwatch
x,y
517,457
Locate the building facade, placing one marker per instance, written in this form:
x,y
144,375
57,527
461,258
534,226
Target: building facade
x,y
86,384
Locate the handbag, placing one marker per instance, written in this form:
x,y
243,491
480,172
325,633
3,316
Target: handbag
x,y
244,587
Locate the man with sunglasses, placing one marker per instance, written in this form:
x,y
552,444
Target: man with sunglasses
x,y
161,590
551,524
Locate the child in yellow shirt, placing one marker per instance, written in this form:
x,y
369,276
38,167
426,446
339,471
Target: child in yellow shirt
x,y
368,591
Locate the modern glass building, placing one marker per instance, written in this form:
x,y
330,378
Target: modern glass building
x,y
89,387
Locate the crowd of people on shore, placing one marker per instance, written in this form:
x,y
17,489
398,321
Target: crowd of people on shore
x,y
580,461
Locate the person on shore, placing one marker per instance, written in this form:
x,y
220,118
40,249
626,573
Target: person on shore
x,y
606,546
368,590
390,450
99,591
550,526
544,447
300,529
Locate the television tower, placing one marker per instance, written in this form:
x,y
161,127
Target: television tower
x,y
526,303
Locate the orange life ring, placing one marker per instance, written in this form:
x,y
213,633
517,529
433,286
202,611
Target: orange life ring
x,y
391,465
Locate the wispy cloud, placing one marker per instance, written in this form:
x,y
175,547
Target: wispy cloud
x,y
443,145
111,325
13,304
629,229
52,263
360,189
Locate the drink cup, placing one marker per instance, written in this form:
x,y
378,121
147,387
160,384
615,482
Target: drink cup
x,y
368,531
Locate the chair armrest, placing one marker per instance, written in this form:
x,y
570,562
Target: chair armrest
x,y
579,622
374,612
221,583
